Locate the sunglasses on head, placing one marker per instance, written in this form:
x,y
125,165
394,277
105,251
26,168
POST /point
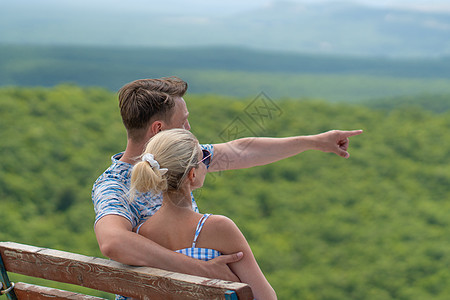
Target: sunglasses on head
x,y
206,157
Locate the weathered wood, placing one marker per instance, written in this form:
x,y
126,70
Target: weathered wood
x,y
25,291
113,277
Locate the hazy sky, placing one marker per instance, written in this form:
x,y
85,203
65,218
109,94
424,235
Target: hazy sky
x,y
248,4
207,7
231,6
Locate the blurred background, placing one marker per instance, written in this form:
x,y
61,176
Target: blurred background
x,y
327,49
374,226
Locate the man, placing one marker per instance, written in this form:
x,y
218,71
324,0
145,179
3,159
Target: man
x,y
147,107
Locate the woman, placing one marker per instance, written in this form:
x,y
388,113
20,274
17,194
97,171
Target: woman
x,y
173,163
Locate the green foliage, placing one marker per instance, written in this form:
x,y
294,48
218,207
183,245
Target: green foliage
x,y
371,227
51,156
374,226
436,103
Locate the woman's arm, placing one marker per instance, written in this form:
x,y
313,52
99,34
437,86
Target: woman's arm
x,y
222,234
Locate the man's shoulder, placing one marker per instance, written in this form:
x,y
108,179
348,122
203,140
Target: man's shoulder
x,y
112,175
208,147
110,195
117,172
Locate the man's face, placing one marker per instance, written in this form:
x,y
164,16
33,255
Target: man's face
x,y
180,115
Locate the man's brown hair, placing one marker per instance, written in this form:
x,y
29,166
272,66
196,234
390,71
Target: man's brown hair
x,y
145,100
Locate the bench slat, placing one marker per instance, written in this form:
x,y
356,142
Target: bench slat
x,y
26,291
113,277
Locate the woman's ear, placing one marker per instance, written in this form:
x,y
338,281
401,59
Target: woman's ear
x,y
191,174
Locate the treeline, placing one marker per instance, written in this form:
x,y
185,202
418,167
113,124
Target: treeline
x,y
374,226
435,103
214,70
231,59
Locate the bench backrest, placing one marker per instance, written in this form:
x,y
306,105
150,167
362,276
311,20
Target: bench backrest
x,y
110,276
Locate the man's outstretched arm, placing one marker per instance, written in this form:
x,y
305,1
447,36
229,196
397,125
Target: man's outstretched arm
x,y
118,242
250,152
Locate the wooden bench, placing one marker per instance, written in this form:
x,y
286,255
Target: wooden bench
x,y
103,275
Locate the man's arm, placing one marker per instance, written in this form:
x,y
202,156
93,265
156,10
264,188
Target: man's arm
x,y
118,242
250,152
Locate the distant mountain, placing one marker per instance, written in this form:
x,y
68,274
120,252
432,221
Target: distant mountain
x,y
325,28
236,72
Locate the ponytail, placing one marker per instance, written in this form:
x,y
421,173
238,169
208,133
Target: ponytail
x,y
146,179
167,158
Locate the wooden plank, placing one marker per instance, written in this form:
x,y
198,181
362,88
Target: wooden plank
x,y
25,291
113,277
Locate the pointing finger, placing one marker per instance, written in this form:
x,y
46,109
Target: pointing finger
x,y
352,133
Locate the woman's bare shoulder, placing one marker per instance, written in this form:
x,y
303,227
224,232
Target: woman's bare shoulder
x,y
221,233
220,224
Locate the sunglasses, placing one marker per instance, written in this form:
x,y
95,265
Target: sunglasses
x,y
206,157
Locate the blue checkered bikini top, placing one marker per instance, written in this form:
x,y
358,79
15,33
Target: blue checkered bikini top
x,y
200,253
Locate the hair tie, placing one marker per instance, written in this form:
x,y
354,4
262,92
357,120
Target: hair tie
x,y
153,163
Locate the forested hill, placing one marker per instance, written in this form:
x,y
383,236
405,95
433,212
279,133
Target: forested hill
x,y
374,226
237,72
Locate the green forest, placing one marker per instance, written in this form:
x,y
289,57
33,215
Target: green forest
x,y
374,226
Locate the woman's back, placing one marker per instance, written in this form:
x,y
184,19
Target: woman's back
x,y
172,230
182,238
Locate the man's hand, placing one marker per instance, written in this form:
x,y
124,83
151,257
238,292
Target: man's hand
x,y
335,141
218,267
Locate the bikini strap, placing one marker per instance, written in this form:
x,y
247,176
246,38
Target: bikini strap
x,y
139,227
199,228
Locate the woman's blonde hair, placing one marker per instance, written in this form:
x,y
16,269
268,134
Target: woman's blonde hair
x,y
174,149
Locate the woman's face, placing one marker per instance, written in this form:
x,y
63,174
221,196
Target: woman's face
x,y
200,171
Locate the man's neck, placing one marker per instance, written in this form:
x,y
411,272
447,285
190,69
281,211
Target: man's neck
x,y
132,152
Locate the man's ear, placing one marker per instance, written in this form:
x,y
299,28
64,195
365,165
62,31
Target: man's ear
x,y
156,127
